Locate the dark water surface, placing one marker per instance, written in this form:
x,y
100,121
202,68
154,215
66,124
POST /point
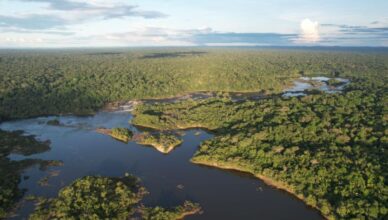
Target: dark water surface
x,y
222,194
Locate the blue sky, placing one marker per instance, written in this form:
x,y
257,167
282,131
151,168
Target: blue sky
x,y
100,23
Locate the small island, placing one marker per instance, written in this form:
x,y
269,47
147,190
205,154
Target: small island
x,y
121,134
53,122
163,142
97,197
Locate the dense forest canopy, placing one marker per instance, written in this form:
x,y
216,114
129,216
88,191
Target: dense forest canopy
x,y
81,81
96,197
328,149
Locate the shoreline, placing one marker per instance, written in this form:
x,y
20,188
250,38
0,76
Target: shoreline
x,y
235,96
158,142
177,127
116,106
268,181
191,212
108,132
162,149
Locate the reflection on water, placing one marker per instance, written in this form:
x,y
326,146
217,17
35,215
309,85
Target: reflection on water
x,y
320,83
170,179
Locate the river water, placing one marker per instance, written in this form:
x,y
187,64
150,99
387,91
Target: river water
x,y
222,194
171,179
307,83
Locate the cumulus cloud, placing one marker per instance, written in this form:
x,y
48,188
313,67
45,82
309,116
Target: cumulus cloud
x,y
309,31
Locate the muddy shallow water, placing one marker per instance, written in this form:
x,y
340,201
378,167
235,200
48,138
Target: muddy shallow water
x,y
170,179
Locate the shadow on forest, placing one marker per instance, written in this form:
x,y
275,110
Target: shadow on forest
x,y
104,53
173,54
37,101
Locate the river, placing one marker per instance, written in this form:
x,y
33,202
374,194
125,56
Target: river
x,y
170,179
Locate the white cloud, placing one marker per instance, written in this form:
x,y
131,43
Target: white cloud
x,y
309,31
20,41
153,36
64,13
23,40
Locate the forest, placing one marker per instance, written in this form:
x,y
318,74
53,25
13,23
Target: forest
x,y
122,134
96,197
329,150
163,142
50,82
11,171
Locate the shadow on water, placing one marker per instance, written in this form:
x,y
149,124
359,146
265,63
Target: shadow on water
x,y
170,179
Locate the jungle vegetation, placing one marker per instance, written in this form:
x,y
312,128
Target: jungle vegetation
x,y
123,134
163,142
11,171
330,150
54,122
160,213
48,82
96,197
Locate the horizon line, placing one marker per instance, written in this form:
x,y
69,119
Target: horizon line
x,y
191,46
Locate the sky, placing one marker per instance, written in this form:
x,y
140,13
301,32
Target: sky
x,y
140,23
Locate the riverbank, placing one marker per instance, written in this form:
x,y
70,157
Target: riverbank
x,y
176,127
295,87
194,95
241,95
107,156
190,211
294,141
159,147
271,182
162,142
121,134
